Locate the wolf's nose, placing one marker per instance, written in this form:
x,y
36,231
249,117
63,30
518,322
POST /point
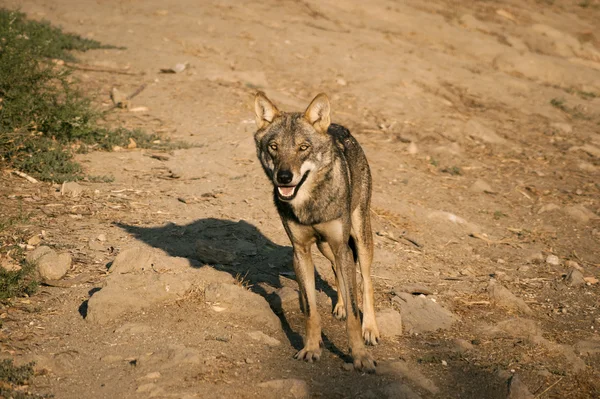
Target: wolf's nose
x,y
284,176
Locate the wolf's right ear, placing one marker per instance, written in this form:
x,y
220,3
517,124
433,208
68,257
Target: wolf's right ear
x,y
265,110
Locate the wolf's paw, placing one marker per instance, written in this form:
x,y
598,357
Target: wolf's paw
x,y
363,361
339,312
370,334
309,354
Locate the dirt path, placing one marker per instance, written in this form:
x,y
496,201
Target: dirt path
x,y
481,122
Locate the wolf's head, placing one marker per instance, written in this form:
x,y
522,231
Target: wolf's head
x,y
292,146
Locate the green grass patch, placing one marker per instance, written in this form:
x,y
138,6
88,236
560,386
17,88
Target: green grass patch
x,y
44,117
17,283
11,377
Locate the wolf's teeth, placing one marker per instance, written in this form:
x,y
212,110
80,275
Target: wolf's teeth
x,y
286,191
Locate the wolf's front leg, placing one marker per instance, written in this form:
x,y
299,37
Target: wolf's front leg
x,y
305,275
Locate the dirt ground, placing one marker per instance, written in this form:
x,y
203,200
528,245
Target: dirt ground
x,y
481,123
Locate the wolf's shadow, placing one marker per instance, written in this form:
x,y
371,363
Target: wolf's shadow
x,y
240,249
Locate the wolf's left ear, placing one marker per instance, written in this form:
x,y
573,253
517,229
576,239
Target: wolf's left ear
x,y
264,109
317,113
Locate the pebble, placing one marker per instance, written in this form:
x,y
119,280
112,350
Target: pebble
x,y
575,278
573,265
553,260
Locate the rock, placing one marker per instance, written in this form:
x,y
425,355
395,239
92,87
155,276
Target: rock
x,y
580,213
288,388
421,314
398,390
181,354
574,265
501,296
34,240
591,280
71,189
50,265
207,253
409,372
588,347
548,208
553,260
513,328
285,300
264,338
150,389
477,130
517,389
574,278
96,245
481,186
242,302
389,322
462,345
535,257
562,127
412,148
414,289
101,238
142,277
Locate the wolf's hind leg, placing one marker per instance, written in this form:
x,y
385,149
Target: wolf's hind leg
x,y
363,237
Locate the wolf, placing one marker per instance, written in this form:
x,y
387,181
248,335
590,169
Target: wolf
x,y
322,191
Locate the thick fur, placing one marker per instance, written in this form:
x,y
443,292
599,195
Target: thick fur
x,y
322,190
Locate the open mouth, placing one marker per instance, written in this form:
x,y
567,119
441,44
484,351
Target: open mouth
x,y
287,193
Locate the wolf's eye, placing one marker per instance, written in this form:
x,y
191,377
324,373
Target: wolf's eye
x,y
273,146
304,147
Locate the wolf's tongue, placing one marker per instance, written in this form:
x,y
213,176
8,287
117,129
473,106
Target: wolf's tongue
x,y
286,191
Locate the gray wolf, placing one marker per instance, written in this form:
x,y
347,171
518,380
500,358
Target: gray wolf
x,y
322,191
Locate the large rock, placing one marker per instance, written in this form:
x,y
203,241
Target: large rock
x,y
501,296
421,314
408,372
517,389
142,277
288,388
50,265
244,303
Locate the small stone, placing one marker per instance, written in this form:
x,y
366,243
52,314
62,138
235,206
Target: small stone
x,y
341,81
548,208
419,314
101,238
412,148
553,260
35,240
535,257
481,186
96,245
264,338
574,278
580,213
444,363
347,366
462,345
573,265
591,280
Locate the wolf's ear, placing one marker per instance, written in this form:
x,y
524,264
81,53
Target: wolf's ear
x,y
317,113
265,110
